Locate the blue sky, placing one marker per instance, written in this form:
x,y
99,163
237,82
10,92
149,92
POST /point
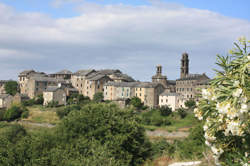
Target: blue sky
x,y
231,8
131,35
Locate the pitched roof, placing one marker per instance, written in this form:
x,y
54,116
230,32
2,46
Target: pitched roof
x,y
171,82
148,84
52,88
96,76
84,72
108,71
124,77
194,77
170,94
25,72
64,72
47,79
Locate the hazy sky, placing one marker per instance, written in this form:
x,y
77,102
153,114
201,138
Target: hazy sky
x,y
131,35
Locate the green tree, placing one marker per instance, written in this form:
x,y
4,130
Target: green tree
x,y
117,129
11,87
136,102
165,110
190,103
98,97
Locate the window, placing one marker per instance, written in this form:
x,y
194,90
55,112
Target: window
x,y
81,85
136,94
191,89
166,100
106,93
76,85
187,89
140,89
162,100
140,94
191,96
187,96
98,86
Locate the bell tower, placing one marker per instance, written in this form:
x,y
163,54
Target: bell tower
x,y
184,65
158,77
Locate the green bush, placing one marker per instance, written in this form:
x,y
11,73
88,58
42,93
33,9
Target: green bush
x,y
39,100
11,87
165,111
65,111
182,112
52,104
117,129
25,114
13,113
98,97
190,103
28,102
2,112
154,117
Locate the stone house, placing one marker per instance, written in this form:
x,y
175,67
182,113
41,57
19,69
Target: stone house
x,y
149,93
63,74
187,84
24,78
5,100
94,83
2,84
119,90
159,78
78,79
173,100
19,98
56,94
37,85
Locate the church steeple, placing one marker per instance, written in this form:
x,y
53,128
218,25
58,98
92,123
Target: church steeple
x,y
184,65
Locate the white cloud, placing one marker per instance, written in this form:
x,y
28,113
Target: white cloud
x,y
132,38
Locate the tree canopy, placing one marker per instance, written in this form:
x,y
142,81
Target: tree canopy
x,y
11,87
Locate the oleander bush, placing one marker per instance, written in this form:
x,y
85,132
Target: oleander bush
x,y
224,108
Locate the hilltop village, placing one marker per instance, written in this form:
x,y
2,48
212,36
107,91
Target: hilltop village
x,y
115,86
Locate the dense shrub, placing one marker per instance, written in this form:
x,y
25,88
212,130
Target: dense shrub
x,y
2,112
14,112
165,111
11,87
98,97
78,99
182,112
66,110
117,129
136,102
28,102
190,103
154,117
52,104
39,100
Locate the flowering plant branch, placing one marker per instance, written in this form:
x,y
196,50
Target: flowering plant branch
x,y
224,108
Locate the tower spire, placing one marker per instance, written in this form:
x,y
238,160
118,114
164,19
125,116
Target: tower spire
x,y
184,65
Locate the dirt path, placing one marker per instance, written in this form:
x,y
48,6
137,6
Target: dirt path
x,y
167,134
48,125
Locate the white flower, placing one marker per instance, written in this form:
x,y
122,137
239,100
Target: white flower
x,y
223,108
248,57
244,108
217,151
236,83
206,94
237,93
205,127
207,143
235,128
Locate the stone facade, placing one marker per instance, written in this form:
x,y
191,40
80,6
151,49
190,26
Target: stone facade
x,y
188,83
63,74
2,84
19,98
173,100
56,94
149,93
5,100
119,90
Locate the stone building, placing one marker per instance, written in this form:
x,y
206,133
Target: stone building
x,y
89,82
63,74
173,100
187,84
78,79
149,93
95,83
25,76
37,85
119,90
5,100
54,94
159,78
2,84
19,98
